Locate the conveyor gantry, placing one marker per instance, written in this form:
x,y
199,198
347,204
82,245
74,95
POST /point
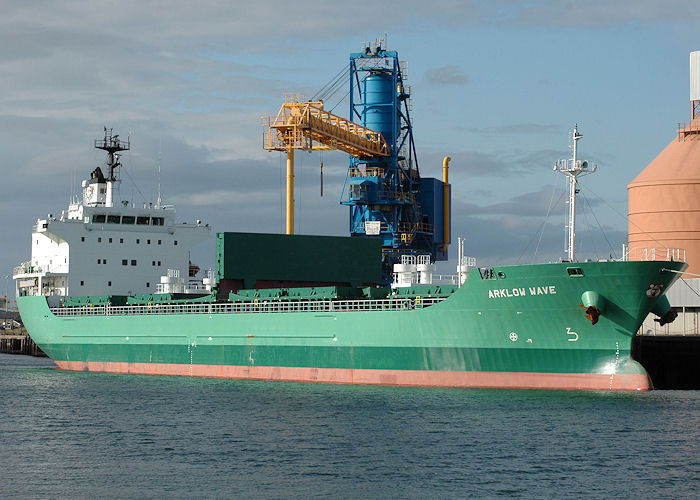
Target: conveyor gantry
x,y
307,126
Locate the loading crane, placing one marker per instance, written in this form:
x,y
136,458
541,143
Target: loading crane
x,y
307,126
387,197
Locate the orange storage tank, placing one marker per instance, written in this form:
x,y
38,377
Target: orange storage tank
x,y
664,202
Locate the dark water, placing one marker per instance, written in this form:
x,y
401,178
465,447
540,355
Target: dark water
x,y
82,435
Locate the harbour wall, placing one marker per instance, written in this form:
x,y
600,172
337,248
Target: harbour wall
x,y
14,338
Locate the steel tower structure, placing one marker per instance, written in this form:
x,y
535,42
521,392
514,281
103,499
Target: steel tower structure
x,y
386,194
388,198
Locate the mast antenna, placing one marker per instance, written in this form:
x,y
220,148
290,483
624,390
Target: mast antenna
x,y
573,168
159,201
113,145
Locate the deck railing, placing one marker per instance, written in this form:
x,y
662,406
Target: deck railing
x,y
395,304
653,253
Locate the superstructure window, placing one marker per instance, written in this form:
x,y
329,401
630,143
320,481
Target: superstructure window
x,y
574,271
133,262
148,284
82,283
138,241
110,240
99,240
99,261
109,283
113,219
160,241
125,262
82,238
128,219
121,240
175,242
158,221
98,218
142,220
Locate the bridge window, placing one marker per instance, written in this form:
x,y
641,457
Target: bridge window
x,y
128,219
142,220
113,219
98,218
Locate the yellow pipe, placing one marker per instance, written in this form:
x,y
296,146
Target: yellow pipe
x,y
446,202
290,191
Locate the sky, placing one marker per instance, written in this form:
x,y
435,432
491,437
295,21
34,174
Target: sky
x,y
496,85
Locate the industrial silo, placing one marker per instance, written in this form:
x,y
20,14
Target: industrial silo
x,y
664,215
664,199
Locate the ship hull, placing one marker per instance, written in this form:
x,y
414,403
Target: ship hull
x,y
416,378
523,327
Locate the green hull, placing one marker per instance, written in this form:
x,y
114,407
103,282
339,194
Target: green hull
x,y
524,327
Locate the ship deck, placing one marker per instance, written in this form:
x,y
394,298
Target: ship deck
x,y
265,306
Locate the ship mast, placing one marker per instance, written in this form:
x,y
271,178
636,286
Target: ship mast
x,y
113,145
573,168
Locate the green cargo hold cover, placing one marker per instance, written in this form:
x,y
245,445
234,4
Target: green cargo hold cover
x,y
297,258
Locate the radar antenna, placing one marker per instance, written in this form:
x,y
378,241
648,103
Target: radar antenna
x,y
112,144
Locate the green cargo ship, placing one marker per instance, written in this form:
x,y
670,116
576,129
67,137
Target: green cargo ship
x,y
553,326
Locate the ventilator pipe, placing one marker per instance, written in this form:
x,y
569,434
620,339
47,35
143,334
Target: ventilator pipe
x,y
446,202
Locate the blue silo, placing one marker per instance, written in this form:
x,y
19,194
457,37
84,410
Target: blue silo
x,y
377,92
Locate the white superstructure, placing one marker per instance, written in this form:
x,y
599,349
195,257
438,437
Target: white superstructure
x,y
103,246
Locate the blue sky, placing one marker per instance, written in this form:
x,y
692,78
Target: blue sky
x,y
496,85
